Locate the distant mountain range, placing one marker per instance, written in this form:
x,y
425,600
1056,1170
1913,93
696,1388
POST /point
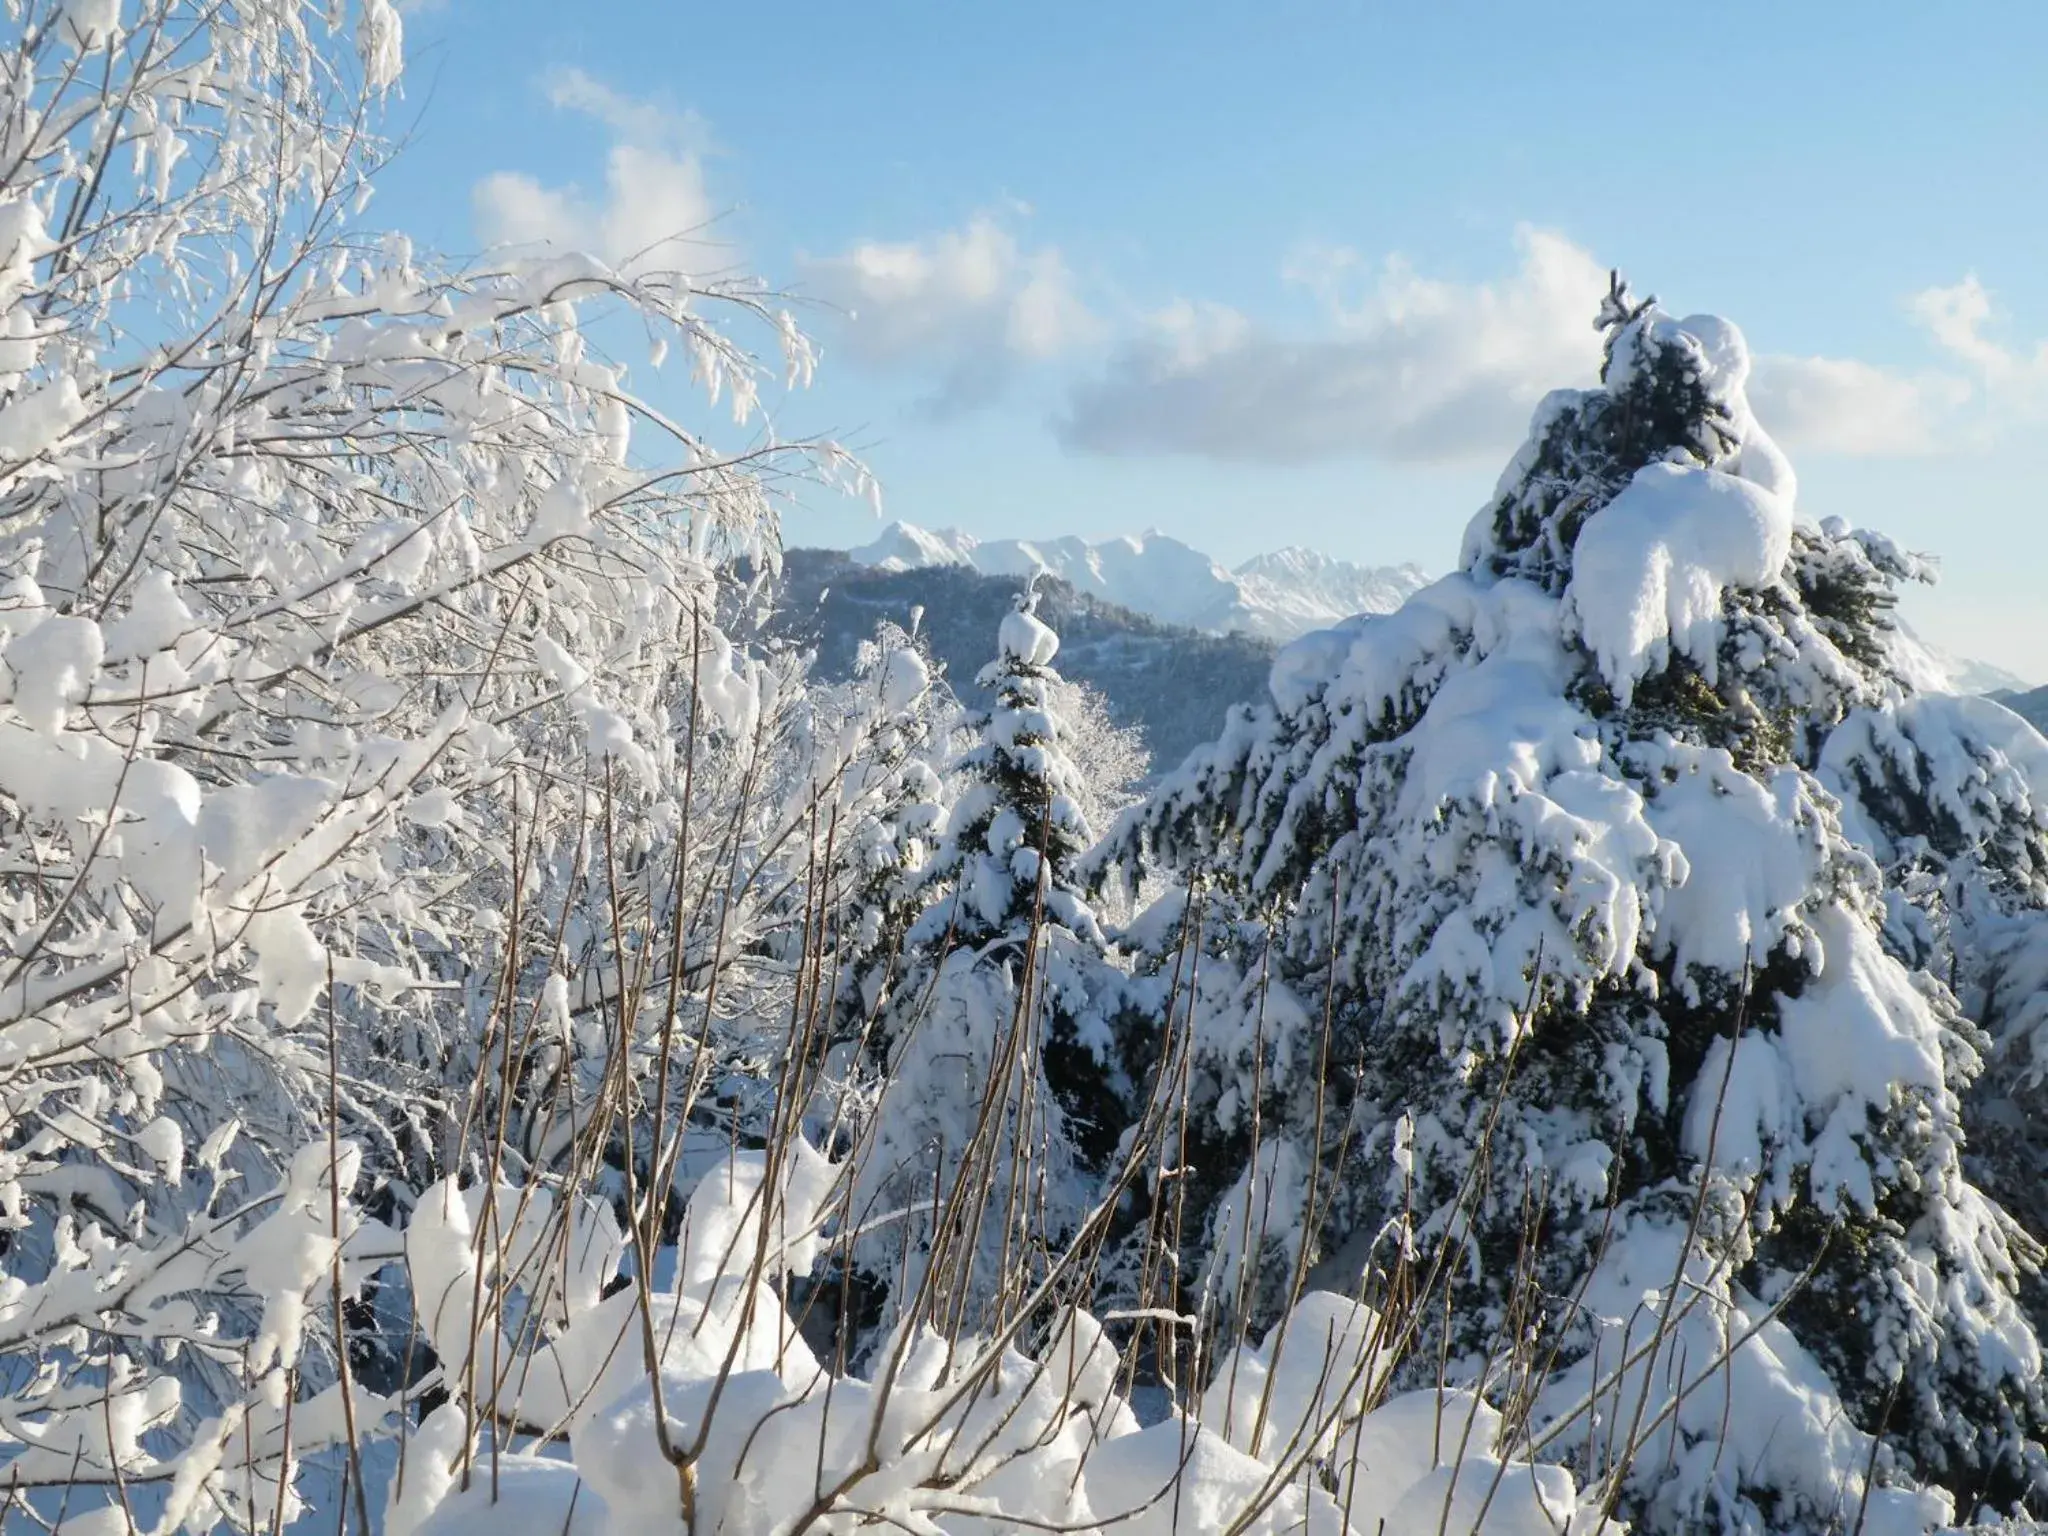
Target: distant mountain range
x,y
1273,597
1933,670
1170,637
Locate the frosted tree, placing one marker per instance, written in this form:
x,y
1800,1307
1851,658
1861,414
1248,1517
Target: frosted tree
x,y
1538,959
896,793
992,1052
361,721
1946,792
1111,760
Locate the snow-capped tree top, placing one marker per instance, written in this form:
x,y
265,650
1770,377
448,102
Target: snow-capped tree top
x,y
1671,392
1023,794
1023,637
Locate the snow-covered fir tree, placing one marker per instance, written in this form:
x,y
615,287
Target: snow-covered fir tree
x,y
1950,794
1623,1045
896,790
992,1049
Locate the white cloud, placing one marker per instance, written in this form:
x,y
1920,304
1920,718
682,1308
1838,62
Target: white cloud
x,y
2014,382
1840,405
1981,390
969,304
631,118
1955,317
653,211
1420,369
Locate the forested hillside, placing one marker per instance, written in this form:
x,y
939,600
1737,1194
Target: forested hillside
x,y
1173,685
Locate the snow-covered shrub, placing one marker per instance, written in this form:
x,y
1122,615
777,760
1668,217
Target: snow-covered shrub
x,y
358,700
694,1404
1542,962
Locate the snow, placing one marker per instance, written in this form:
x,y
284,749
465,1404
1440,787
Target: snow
x,y
1752,854
507,1495
164,1140
1930,668
770,1432
282,598
34,423
89,24
1294,590
905,547
1310,1373
156,620
53,665
1181,1480
1459,799
1025,638
243,825
1399,1444
563,511
327,743
1783,1422
905,679
290,971
1480,1497
1650,568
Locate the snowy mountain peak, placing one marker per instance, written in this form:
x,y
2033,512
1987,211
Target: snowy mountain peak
x,y
1305,589
906,547
1275,596
1295,560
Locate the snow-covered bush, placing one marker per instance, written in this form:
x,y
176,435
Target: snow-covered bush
x,y
1544,971
695,1404
359,701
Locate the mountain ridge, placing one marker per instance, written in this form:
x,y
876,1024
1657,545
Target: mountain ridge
x,y
1174,683
1276,597
1170,637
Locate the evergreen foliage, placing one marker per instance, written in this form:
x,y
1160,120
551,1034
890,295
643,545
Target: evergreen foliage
x,y
991,1050
1613,990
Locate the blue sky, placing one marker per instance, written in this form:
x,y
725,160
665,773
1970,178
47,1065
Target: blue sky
x,y
1261,275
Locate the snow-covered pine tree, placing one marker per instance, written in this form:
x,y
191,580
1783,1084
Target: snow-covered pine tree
x,y
992,1049
1616,1037
896,792
1950,793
